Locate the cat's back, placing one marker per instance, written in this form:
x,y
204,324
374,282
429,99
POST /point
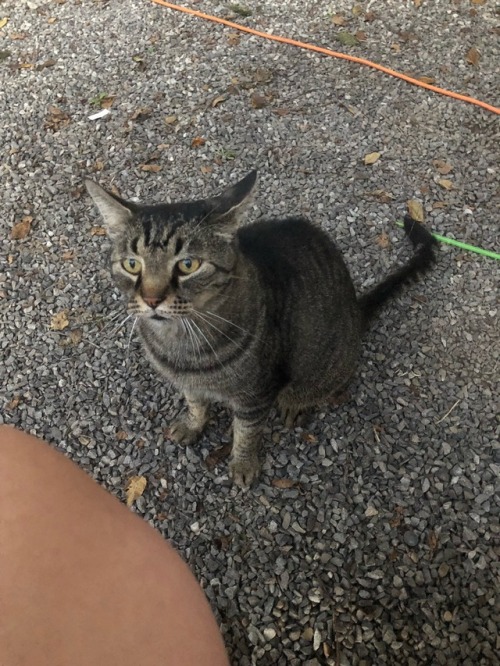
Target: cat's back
x,y
284,247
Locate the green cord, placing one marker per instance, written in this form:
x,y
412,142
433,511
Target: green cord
x,y
464,246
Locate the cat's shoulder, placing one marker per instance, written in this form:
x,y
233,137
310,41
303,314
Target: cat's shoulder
x,y
278,230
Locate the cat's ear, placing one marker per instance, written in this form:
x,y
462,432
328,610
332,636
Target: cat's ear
x,y
115,211
228,207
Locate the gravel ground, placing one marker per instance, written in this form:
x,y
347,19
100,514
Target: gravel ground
x,y
372,537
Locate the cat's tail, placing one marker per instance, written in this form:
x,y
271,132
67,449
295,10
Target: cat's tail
x,y
422,260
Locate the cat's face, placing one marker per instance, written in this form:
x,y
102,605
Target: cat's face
x,y
172,259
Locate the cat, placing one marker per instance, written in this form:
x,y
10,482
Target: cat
x,y
246,314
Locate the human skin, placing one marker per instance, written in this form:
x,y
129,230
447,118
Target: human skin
x,y
85,581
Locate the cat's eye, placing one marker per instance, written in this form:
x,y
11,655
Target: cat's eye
x,y
132,266
188,265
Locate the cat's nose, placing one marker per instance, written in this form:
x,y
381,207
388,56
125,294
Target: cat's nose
x,y
152,301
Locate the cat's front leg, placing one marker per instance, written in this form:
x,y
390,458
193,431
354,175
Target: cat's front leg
x,y
244,464
189,426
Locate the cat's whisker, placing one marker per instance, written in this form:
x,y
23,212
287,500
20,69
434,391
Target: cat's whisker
x,y
131,333
198,314
227,321
120,325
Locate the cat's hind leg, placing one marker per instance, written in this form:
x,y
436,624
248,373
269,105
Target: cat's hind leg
x,y
189,426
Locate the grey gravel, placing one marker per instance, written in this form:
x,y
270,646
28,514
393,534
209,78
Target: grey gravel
x,y
385,551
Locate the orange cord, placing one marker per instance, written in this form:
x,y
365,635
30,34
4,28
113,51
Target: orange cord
x,y
328,52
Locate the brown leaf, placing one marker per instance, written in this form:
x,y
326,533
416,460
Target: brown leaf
x,y
151,167
440,204
218,100
121,435
282,112
426,79
398,517
233,38
473,57
12,404
258,101
383,240
360,35
396,47
417,3
48,63
381,195
416,210
141,113
75,336
18,35
136,487
443,167
217,456
432,541
98,231
22,228
59,321
222,542
478,2
338,19
309,438
357,10
206,169
52,20
198,141
98,165
284,484
445,183
68,255
10,259
371,158
56,118
262,75
369,17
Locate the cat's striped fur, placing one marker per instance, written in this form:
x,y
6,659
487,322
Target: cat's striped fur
x,y
269,313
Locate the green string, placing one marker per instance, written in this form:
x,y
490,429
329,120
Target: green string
x,y
464,246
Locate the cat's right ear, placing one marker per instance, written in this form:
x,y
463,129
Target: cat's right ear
x,y
115,211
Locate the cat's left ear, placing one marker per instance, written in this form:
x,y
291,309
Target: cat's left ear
x,y
228,207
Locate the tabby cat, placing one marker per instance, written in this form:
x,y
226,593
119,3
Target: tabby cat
x,y
247,315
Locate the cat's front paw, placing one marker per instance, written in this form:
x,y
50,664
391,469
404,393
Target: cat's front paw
x,y
243,472
182,434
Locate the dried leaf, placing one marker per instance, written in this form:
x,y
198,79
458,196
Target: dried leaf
x,y
284,484
282,112
338,19
258,101
75,336
3,22
381,195
262,75
121,435
383,240
52,20
222,542
432,540
59,321
416,210
396,47
357,10
68,254
371,158
22,228
170,120
56,118
398,517
478,2
217,456
12,404
426,79
206,169
240,10
309,438
347,39
443,167
360,36
151,167
439,204
48,63
445,183
369,17
98,231
98,165
233,38
472,57
136,487
218,100
18,35
198,141
417,3
141,114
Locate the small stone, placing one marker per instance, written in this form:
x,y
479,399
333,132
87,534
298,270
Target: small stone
x,y
269,633
410,538
308,634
